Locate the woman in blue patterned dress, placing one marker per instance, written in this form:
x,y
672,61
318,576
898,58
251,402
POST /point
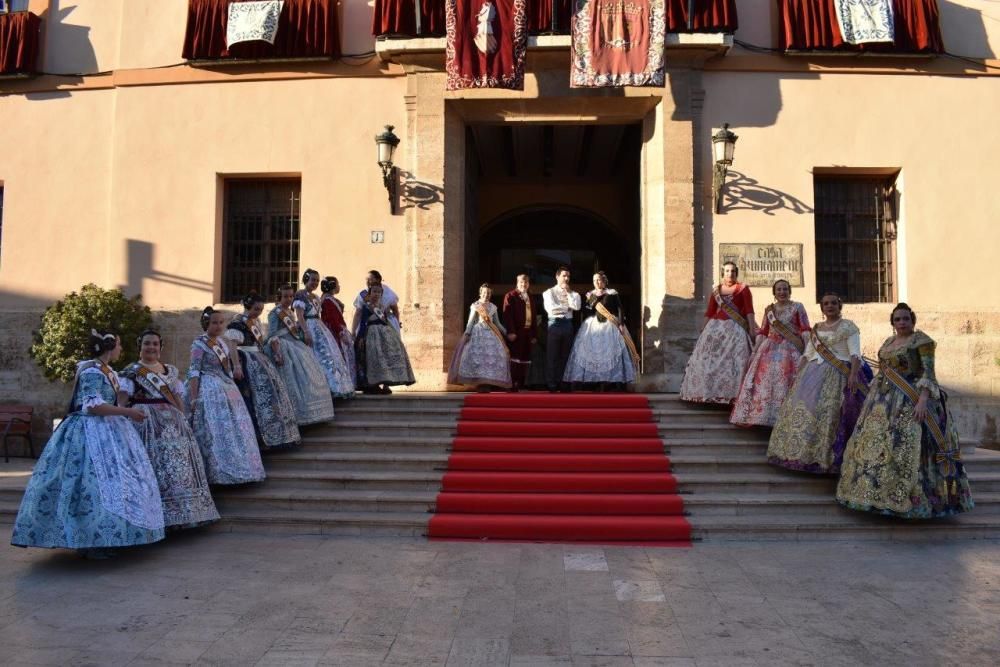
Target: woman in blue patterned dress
x,y
219,417
262,388
320,338
382,359
482,358
93,486
156,389
904,458
296,363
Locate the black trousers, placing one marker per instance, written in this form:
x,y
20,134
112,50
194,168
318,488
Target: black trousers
x,y
558,347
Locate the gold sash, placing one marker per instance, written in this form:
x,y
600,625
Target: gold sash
x,y
216,348
154,384
730,311
289,321
911,393
484,315
786,331
258,335
830,358
111,376
606,314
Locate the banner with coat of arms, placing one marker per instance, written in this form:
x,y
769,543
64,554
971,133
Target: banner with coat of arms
x,y
618,43
486,43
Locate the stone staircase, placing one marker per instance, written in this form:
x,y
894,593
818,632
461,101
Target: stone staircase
x,y
376,471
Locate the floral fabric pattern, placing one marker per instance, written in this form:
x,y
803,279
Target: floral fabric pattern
x,y
382,359
715,369
893,465
338,374
302,374
484,359
865,21
93,485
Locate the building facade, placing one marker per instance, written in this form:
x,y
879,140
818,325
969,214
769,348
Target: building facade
x,y
135,153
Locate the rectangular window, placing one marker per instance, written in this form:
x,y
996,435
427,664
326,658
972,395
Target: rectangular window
x,y
856,237
260,236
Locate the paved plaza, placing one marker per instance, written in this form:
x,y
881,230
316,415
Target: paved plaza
x,y
243,599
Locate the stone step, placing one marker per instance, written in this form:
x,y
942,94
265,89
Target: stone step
x,y
423,413
310,459
845,525
320,522
786,504
237,502
346,442
295,481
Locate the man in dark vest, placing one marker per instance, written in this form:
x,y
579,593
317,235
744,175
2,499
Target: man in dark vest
x,y
518,314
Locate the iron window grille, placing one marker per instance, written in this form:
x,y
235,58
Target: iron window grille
x,y
261,236
856,237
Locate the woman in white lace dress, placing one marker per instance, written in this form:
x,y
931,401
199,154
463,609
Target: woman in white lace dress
x,y
482,358
602,350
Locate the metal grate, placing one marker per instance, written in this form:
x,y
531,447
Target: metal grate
x,y
261,236
856,237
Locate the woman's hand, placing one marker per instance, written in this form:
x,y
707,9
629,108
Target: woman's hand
x,y
920,411
238,373
852,383
307,338
135,414
512,337
278,359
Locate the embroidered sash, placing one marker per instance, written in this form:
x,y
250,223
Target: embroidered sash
x,y
730,311
215,347
154,385
911,393
786,331
258,335
606,314
830,358
289,321
111,376
484,315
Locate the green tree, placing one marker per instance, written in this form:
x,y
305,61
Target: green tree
x,y
61,340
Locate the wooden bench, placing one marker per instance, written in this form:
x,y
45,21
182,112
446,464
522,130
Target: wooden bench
x,y
15,420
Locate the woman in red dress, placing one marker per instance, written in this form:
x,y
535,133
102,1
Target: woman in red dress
x,y
332,314
720,356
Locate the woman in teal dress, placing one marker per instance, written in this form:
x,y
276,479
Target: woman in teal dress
x,y
904,459
93,486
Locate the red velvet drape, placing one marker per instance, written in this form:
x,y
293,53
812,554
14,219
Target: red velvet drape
x,y
306,29
395,17
19,42
812,25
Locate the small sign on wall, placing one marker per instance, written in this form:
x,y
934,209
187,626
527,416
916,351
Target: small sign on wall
x,y
761,264
378,236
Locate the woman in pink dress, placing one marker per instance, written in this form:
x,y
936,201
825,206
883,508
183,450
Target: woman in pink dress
x,y
720,356
780,342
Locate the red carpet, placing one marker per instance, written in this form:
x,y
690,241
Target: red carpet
x,y
559,468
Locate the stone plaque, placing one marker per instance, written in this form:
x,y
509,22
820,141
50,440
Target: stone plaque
x,y
762,263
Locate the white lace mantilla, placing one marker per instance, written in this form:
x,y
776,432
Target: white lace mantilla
x,y
253,21
865,21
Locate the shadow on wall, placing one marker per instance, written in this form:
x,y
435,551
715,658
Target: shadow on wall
x,y
139,258
72,41
744,193
417,194
970,23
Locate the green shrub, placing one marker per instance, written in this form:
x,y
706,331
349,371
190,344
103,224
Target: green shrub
x,y
61,340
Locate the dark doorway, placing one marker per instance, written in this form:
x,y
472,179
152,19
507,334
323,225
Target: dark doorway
x,y
544,196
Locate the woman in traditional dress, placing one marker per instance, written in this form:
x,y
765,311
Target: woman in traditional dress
x,y
219,416
156,388
298,366
390,301
317,336
720,356
332,314
780,343
603,351
92,487
818,416
382,359
263,390
482,358
903,459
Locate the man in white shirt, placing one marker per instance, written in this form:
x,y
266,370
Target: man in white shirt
x,y
560,303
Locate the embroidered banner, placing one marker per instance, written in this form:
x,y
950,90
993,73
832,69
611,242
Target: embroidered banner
x,y
253,21
486,43
618,43
865,21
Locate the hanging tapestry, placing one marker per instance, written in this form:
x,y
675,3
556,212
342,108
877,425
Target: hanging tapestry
x,y
486,43
618,43
253,21
865,21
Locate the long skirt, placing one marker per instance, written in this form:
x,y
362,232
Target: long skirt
x,y
176,459
306,383
599,354
267,401
716,366
92,487
816,420
894,466
346,342
768,380
327,351
382,359
225,432
483,360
